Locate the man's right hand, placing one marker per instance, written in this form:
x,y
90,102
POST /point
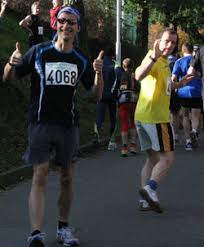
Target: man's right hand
x,y
156,53
16,57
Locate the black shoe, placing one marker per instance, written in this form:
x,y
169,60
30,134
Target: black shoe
x,y
36,243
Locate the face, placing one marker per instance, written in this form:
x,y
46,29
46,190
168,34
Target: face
x,y
36,9
67,26
167,43
56,3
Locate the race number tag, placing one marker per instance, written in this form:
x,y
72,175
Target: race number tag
x,y
40,30
168,86
61,74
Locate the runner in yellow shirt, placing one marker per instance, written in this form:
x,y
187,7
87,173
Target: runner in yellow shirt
x,y
152,117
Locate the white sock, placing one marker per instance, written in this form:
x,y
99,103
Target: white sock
x,y
188,140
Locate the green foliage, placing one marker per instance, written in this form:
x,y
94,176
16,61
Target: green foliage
x,y
10,33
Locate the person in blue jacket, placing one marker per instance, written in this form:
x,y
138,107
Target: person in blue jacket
x,y
190,97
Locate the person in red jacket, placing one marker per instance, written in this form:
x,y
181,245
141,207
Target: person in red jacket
x,y
57,5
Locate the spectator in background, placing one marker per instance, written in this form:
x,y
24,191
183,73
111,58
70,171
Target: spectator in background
x,y
108,100
33,25
56,7
4,3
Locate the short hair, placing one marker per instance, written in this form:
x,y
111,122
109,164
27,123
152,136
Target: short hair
x,y
128,63
34,4
168,30
188,47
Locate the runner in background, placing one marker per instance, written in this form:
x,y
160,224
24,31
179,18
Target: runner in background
x,y
33,24
127,99
190,97
175,105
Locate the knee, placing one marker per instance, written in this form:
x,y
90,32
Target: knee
x,y
66,179
169,160
40,176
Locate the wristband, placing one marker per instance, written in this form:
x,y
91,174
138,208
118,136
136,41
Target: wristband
x,y
11,64
153,59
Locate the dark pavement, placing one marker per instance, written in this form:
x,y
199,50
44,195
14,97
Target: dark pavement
x,y
105,205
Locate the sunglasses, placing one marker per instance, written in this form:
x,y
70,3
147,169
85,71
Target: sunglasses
x,y
68,21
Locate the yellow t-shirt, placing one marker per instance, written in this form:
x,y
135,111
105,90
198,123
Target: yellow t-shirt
x,y
154,98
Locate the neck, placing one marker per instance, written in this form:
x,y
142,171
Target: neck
x,y
64,46
185,54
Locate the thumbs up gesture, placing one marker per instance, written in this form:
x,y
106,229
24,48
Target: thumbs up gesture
x,y
16,57
98,63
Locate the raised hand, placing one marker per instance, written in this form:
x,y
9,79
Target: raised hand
x,y
16,57
4,4
98,63
156,50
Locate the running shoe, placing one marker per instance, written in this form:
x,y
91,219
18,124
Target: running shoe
x,y
37,240
188,146
133,148
112,146
194,139
66,237
124,151
144,206
151,197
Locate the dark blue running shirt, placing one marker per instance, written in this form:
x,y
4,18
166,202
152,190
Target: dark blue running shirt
x,y
54,79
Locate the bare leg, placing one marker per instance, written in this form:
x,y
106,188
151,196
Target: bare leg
x,y
133,135
196,113
124,137
152,159
162,167
37,195
186,123
66,193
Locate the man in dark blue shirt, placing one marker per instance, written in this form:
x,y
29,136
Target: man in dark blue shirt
x,y
108,99
56,70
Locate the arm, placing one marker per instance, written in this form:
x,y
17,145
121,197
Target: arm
x,y
143,70
185,79
98,80
3,8
15,59
25,23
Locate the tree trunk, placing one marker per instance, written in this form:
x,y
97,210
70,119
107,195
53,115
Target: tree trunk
x,y
142,29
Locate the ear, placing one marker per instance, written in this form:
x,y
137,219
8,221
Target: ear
x,y
79,28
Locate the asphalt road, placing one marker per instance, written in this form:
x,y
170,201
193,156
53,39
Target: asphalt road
x,y
105,205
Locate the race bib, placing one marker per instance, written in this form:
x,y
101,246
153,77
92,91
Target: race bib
x,y
40,30
61,74
168,86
